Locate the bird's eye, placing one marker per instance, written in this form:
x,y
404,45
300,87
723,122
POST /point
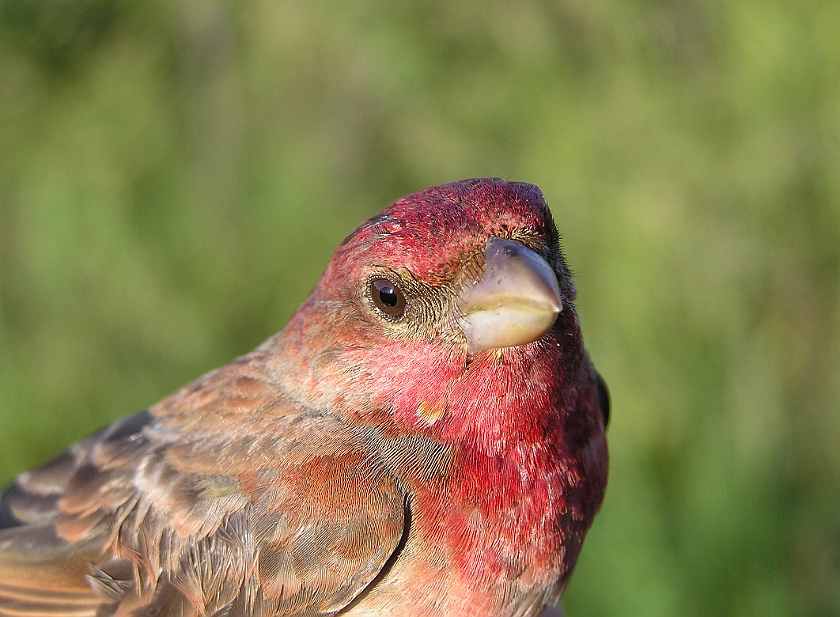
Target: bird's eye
x,y
387,297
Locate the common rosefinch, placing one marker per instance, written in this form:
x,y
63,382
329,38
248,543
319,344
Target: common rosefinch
x,y
425,437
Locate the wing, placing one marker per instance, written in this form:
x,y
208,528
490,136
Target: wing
x,y
225,499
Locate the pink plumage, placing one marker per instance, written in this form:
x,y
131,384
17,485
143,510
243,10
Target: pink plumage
x,y
425,437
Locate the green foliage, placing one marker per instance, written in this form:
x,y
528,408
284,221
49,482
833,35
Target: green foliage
x,y
173,177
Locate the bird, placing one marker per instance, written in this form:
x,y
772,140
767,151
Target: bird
x,y
425,437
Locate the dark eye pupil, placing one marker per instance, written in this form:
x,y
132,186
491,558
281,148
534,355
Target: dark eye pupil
x,y
388,296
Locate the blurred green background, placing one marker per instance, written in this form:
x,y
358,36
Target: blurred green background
x,y
174,176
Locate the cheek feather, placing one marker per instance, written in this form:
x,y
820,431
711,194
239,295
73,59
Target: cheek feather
x,y
411,382
490,402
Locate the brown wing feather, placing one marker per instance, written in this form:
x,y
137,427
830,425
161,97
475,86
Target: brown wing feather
x,y
41,574
225,499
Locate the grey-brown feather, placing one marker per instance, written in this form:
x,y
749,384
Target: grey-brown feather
x,y
156,515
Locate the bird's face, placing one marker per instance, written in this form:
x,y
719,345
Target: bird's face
x,y
476,269
440,282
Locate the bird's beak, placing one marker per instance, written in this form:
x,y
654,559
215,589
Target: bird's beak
x,y
515,301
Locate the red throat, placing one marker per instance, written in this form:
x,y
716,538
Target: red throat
x,y
519,496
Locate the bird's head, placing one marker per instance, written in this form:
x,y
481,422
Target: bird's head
x,y
475,264
427,298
